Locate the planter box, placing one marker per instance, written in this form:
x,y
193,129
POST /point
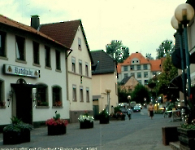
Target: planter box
x,y
86,125
169,134
56,130
187,137
12,137
104,120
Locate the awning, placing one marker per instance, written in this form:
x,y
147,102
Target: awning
x,y
15,85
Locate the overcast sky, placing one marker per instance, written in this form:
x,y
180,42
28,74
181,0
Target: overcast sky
x,y
141,25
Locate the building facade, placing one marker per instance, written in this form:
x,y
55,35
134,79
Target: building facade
x,y
104,77
78,64
31,88
138,66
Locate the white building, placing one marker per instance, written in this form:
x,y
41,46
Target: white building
x,y
71,33
30,59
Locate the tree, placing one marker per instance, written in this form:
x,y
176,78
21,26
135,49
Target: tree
x,y
117,50
166,47
148,56
140,92
169,72
122,95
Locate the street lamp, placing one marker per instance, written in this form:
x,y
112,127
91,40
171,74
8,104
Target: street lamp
x,y
129,98
178,26
184,13
108,99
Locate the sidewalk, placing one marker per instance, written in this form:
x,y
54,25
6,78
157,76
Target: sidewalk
x,y
148,137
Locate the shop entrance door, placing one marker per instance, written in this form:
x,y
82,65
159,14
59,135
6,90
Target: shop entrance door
x,y
24,104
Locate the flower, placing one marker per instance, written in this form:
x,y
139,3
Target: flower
x,y
85,117
56,121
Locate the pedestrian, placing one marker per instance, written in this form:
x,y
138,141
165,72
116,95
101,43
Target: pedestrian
x,y
151,110
129,113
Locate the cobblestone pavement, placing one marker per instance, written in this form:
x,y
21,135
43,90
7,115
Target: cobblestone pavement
x,y
139,133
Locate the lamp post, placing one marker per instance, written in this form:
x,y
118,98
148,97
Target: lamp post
x,y
178,26
129,98
184,13
108,99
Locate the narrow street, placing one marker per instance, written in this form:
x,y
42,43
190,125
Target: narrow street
x,y
138,133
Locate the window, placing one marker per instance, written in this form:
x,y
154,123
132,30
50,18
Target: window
x,y
145,81
58,64
80,67
145,67
133,74
87,94
79,43
20,48
36,52
139,75
56,94
73,65
153,73
132,67
140,81
138,67
81,94
125,75
47,57
125,68
2,44
42,95
2,102
86,70
145,74
74,94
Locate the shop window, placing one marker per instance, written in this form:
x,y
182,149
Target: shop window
x,y
20,53
81,94
57,96
2,44
87,95
36,52
58,64
74,94
86,70
80,67
47,57
79,43
42,95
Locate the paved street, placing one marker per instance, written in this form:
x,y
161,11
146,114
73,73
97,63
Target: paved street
x,y
139,133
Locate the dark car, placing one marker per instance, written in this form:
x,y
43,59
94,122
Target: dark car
x,y
123,110
136,108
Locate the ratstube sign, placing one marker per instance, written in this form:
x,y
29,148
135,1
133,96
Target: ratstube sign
x,y
22,71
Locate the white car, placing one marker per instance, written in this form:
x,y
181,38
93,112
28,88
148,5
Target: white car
x,y
139,105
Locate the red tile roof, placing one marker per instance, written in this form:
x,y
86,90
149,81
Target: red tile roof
x,y
9,22
155,64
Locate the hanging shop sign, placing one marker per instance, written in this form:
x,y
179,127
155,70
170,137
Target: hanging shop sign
x,y
21,71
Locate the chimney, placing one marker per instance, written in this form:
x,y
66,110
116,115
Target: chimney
x,y
35,21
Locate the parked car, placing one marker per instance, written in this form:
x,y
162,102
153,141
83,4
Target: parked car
x,y
136,108
123,110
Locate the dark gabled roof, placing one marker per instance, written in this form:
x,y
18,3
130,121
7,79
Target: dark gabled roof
x,y
124,80
64,32
103,63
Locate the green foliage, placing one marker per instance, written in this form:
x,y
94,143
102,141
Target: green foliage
x,y
165,48
117,50
188,126
104,114
57,116
122,96
17,125
117,109
149,56
140,92
169,72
